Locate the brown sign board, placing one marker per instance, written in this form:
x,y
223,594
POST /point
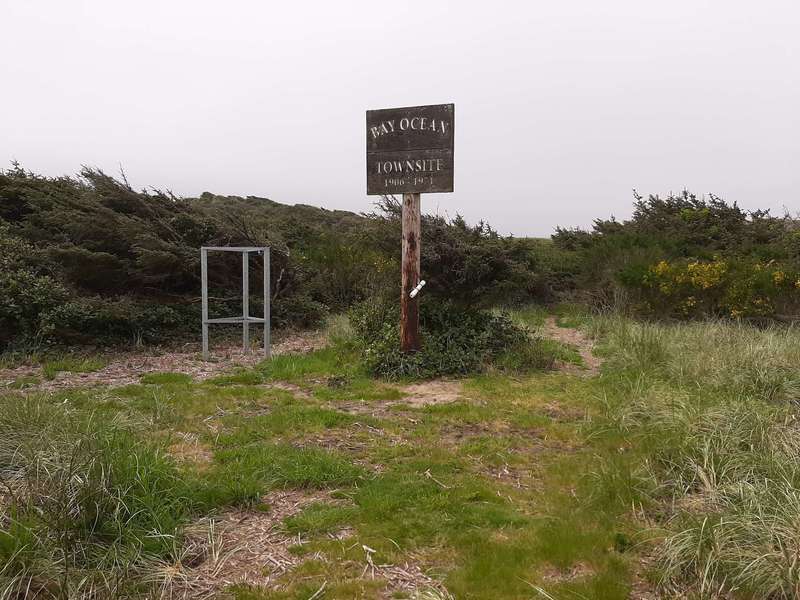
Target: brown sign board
x,y
410,150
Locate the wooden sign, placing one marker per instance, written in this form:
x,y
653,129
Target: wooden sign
x,y
410,150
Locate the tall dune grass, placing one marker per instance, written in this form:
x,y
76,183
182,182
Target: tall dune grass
x,y
86,510
713,408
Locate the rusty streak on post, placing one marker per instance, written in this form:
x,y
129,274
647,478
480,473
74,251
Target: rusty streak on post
x,y
409,307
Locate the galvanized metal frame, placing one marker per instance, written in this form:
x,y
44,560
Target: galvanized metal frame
x,y
245,319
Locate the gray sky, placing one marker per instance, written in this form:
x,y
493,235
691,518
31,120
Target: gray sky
x,y
562,107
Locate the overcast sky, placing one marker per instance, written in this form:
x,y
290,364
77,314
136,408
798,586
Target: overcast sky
x,y
562,107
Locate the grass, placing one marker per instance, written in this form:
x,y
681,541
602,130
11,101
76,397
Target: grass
x,y
85,503
283,465
52,367
165,379
331,361
709,409
24,381
682,456
530,316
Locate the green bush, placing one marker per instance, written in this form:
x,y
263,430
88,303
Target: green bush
x,y
470,264
299,310
689,257
87,247
455,341
25,291
733,287
95,320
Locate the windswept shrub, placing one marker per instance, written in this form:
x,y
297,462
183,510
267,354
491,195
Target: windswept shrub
x,y
472,265
455,341
85,247
690,257
26,292
96,320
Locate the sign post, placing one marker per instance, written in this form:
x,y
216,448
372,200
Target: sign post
x,y
410,151
409,265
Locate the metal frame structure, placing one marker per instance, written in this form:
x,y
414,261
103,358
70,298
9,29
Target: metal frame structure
x,y
245,319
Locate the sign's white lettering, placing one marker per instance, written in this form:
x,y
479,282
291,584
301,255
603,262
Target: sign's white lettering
x,y
409,166
414,124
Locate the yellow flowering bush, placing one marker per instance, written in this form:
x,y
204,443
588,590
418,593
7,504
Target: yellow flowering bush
x,y
720,286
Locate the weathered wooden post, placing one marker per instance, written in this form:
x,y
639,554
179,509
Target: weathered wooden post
x,y
410,151
409,306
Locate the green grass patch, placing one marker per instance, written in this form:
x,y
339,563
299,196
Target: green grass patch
x,y
71,364
356,388
100,505
24,381
284,418
241,377
531,316
319,518
571,315
165,379
320,364
283,465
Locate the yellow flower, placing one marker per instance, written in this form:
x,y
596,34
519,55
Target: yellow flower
x,y
661,268
706,275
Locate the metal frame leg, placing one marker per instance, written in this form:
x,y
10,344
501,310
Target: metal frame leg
x,y
246,301
204,285
267,328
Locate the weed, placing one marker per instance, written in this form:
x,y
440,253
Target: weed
x,y
327,362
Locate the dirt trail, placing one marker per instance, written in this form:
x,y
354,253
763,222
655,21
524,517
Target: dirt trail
x,y
128,368
416,395
578,339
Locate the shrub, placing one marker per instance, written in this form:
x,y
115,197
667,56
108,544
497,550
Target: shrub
x,y
299,310
25,291
90,245
719,287
689,257
455,341
471,263
96,320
